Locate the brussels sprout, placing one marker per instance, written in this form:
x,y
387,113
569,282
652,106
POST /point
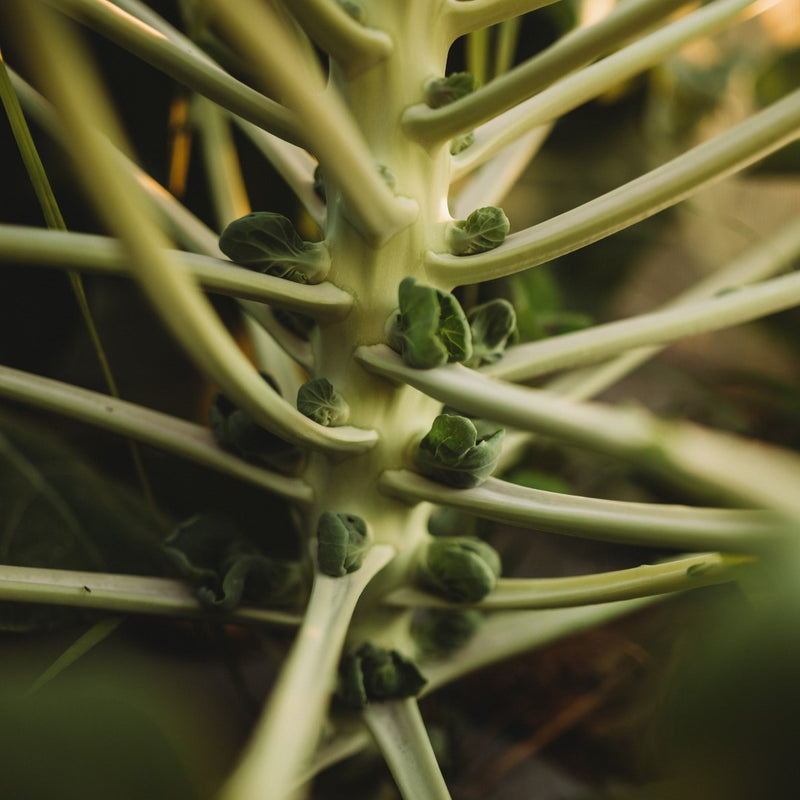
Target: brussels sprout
x,y
444,630
453,453
237,432
443,91
375,673
431,328
318,400
484,229
226,569
460,143
463,569
268,242
492,325
343,541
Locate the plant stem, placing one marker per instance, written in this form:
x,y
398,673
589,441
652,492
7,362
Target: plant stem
x,y
459,18
641,524
285,736
676,575
659,327
507,91
591,81
168,433
399,730
184,62
92,253
352,45
128,594
738,147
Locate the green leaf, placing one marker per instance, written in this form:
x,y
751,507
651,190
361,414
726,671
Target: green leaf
x,y
462,569
376,673
452,452
268,242
484,229
443,91
431,328
226,568
343,541
493,326
237,432
319,401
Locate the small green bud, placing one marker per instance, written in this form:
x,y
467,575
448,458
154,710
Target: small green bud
x,y
319,401
376,673
462,569
443,91
484,229
444,630
431,327
388,176
237,432
268,243
493,325
453,453
460,143
343,541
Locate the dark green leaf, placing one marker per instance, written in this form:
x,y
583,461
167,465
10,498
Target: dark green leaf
x,y
443,91
461,569
319,401
493,326
343,541
484,229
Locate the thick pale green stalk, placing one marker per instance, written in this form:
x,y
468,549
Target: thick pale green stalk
x,y
172,434
332,133
741,304
292,721
738,147
399,731
592,81
507,91
128,594
182,307
708,461
677,575
92,253
641,524
182,60
354,46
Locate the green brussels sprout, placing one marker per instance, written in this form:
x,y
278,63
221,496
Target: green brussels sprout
x,y
388,176
443,91
268,242
431,328
444,630
493,325
319,401
343,541
484,229
463,569
460,143
376,673
453,453
226,569
235,431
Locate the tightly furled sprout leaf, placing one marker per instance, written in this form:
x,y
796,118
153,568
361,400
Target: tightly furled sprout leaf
x,y
268,242
376,673
444,630
493,326
452,452
235,431
484,229
319,401
443,91
431,328
226,569
343,541
463,569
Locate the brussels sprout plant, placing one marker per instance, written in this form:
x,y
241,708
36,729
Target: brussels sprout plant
x,y
383,367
